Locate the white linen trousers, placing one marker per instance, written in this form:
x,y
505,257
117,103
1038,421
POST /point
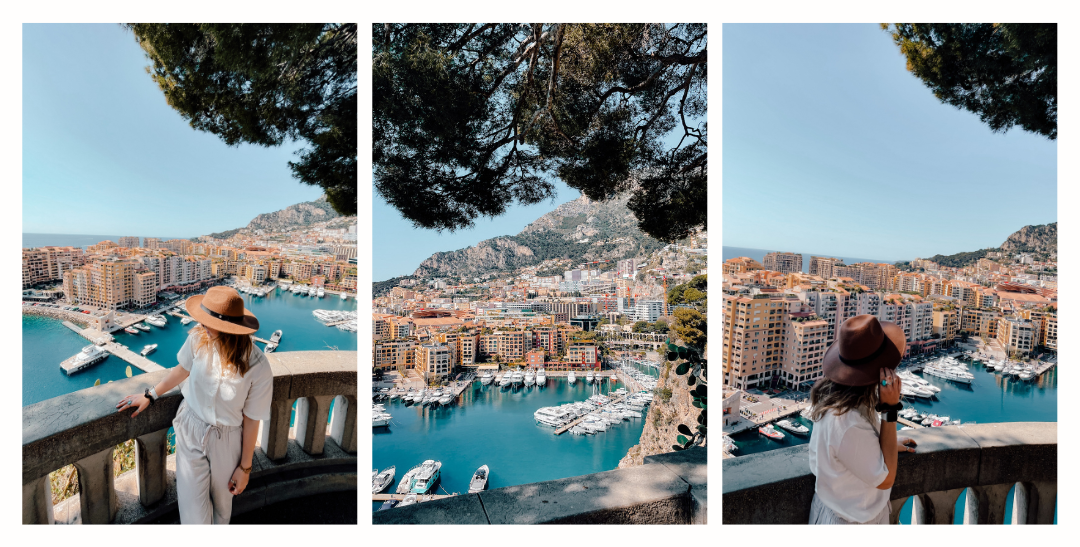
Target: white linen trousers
x,y
206,457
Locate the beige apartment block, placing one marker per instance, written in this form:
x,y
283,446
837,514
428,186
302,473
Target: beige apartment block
x,y
752,343
946,324
783,262
822,266
805,340
1017,335
395,354
433,360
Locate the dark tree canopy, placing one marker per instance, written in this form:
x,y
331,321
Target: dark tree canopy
x,y
264,84
1004,73
471,118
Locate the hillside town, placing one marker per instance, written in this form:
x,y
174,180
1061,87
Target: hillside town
x,y
430,329
134,273
778,320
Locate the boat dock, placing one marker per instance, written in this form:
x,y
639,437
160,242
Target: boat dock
x,y
1044,367
134,359
175,313
563,429
399,497
909,423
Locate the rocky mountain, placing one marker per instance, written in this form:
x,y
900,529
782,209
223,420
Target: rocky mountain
x,y
1038,239
581,230
295,216
673,406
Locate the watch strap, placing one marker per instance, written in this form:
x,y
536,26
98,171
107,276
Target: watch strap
x,y
149,397
890,416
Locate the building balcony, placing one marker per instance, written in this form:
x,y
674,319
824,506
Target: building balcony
x,y
313,460
983,462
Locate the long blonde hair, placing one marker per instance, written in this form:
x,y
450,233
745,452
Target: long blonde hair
x,y
234,349
828,395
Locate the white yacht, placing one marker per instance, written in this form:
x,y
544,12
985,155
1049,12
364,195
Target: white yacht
x,y
793,427
589,377
321,292
186,320
541,377
343,295
530,378
380,419
382,480
479,480
407,479
505,381
276,337
572,378
147,350
447,398
157,320
142,327
517,377
487,378
89,355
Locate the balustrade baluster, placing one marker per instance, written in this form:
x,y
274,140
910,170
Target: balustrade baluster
x,y
343,424
97,492
37,502
1043,495
311,416
894,510
990,503
1020,504
151,451
275,431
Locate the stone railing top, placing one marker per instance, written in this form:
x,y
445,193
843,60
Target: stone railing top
x,y
67,428
755,486
662,491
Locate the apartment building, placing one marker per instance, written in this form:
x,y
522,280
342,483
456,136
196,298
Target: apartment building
x,y
783,262
979,322
647,310
822,266
804,341
752,344
44,264
508,345
586,355
151,243
395,354
146,289
130,242
946,324
550,339
740,264
433,360
463,346
1017,335
105,284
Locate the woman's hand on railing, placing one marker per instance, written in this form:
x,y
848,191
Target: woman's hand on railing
x,y
905,444
138,402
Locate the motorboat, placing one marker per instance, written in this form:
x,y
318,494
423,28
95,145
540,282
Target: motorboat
x,y
541,377
88,356
426,477
447,398
405,484
147,350
157,320
505,381
142,327
479,480
409,500
380,420
589,377
487,378
1027,374
387,505
270,348
793,427
530,378
572,378
130,330
322,292
517,378
729,445
186,320
344,296
276,337
771,432
382,480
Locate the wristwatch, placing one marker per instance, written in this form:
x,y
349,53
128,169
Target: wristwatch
x,y
149,397
889,410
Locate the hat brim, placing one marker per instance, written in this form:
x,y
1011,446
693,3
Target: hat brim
x,y
842,373
248,325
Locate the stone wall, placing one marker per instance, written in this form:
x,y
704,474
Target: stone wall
x,y
663,419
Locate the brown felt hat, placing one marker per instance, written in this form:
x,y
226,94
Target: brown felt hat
x,y
222,309
863,347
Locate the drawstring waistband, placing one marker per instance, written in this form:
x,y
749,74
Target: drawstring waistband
x,y
197,423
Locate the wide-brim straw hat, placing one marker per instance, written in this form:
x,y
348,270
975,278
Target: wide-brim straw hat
x,y
222,309
863,347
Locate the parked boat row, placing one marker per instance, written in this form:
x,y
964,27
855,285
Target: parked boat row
x,y
950,369
599,412
343,319
419,481
305,290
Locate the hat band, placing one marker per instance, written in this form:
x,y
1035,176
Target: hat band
x,y
869,358
230,318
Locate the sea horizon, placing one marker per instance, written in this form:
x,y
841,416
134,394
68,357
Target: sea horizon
x,y
33,240
729,252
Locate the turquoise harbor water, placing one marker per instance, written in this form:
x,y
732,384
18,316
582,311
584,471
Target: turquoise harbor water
x,y
46,342
492,426
991,398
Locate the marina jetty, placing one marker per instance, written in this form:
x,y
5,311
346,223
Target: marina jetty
x,y
98,338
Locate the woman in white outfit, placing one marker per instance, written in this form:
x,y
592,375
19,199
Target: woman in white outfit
x,y
228,392
853,454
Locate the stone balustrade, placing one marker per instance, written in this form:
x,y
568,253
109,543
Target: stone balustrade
x,y
83,428
668,489
982,461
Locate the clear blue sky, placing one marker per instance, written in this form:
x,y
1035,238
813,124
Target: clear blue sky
x,y
831,146
104,154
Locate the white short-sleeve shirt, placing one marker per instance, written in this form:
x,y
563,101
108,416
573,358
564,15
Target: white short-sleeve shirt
x,y
220,396
845,456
